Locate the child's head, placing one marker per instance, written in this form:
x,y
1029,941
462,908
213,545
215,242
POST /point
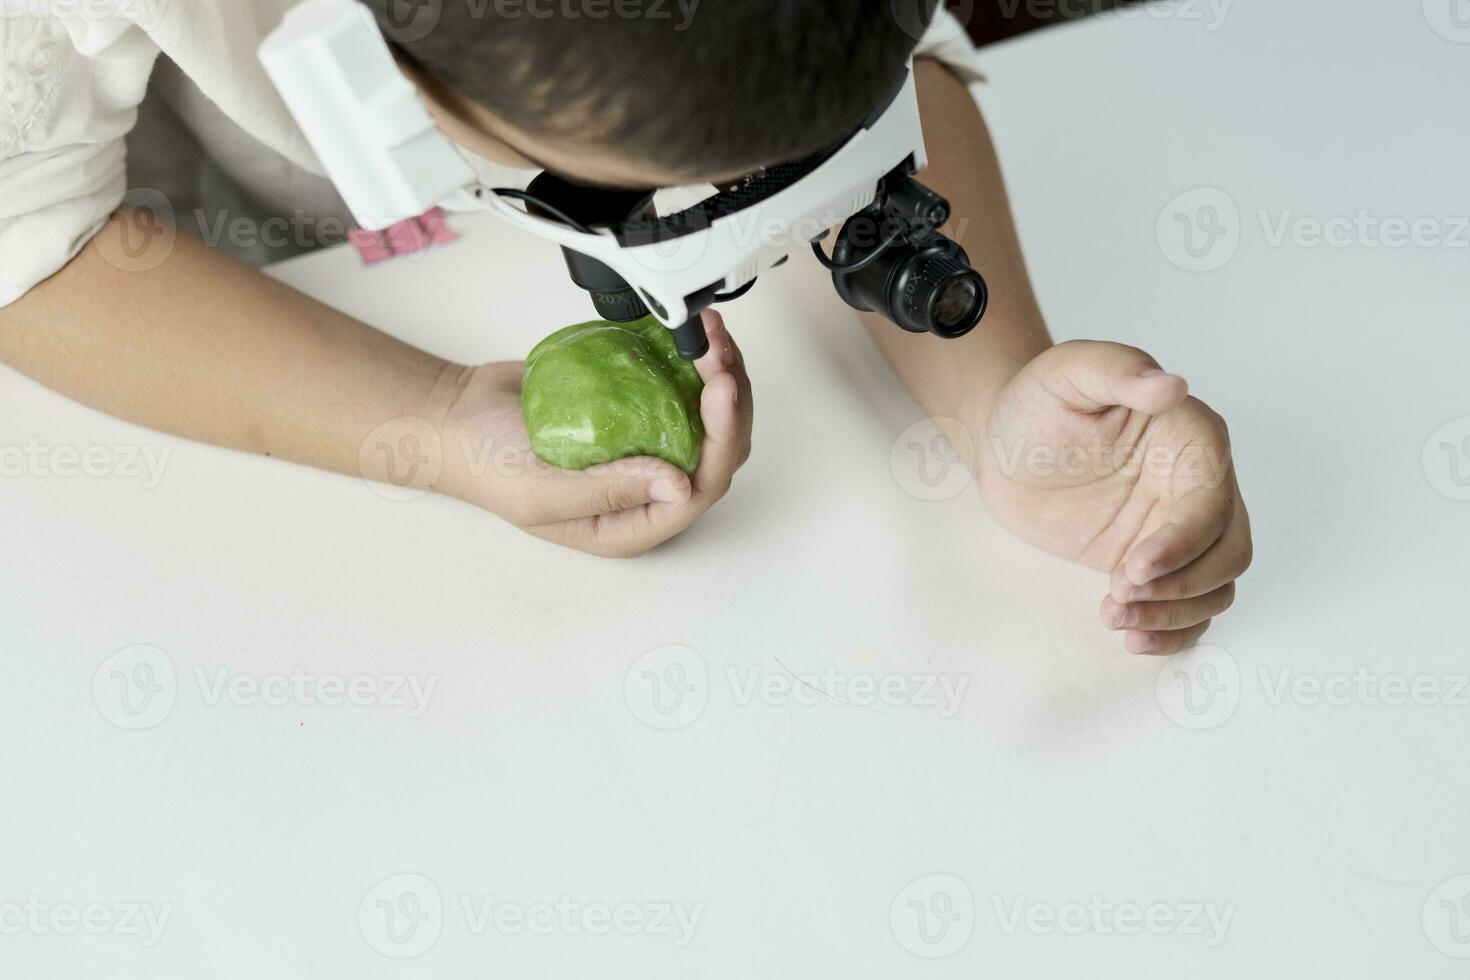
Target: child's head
x,y
653,92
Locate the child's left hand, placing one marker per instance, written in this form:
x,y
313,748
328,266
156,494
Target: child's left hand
x,y
1093,453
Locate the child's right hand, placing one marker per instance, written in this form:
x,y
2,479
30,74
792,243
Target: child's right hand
x,y
1133,477
618,510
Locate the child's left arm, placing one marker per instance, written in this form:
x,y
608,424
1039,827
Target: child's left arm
x,y
1088,449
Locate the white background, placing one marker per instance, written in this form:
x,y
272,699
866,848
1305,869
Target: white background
x,y
1331,833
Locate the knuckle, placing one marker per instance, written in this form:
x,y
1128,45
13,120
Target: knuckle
x,y
616,497
1182,586
1227,597
1220,431
1166,642
1207,414
619,541
1136,354
1221,425
1177,640
1212,421
605,499
1247,555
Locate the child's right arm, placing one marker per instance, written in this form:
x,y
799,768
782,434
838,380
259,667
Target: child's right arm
x,y
210,349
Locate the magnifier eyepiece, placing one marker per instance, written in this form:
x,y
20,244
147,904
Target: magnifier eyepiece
x,y
921,280
942,294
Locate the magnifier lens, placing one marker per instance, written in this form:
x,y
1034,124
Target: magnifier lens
x,y
955,303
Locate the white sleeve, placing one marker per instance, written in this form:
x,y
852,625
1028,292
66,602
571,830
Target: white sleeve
x,y
74,77
946,41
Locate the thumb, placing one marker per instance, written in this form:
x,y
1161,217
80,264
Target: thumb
x,y
1096,375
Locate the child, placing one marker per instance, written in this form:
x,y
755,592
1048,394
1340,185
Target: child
x,y
622,92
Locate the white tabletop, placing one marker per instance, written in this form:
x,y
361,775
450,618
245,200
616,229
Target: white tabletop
x,y
1017,798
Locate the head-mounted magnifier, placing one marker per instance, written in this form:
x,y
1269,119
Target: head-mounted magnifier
x,y
380,147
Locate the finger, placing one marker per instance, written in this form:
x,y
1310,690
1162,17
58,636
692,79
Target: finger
x,y
724,438
1160,644
725,408
552,495
744,401
1101,375
1175,615
722,355
1225,561
1196,521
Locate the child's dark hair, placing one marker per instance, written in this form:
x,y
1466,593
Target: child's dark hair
x,y
703,86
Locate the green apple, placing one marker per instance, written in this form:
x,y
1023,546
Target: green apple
x,y
600,391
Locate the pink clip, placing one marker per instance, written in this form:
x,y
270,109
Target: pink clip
x,y
405,238
439,231
370,245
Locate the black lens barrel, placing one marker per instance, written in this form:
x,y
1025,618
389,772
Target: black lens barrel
x,y
924,284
